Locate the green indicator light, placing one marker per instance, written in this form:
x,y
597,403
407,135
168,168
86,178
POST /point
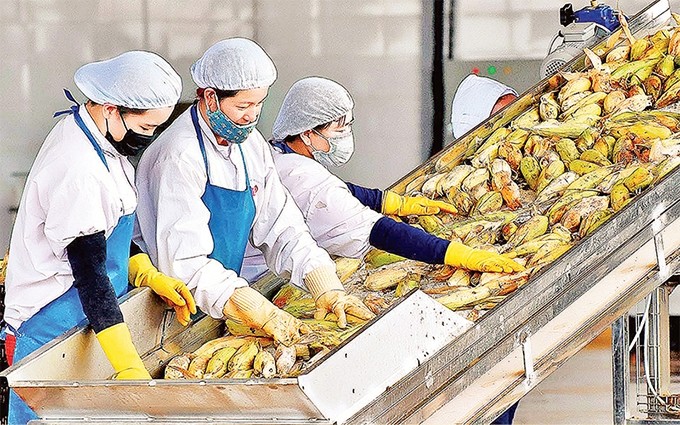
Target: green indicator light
x,y
491,70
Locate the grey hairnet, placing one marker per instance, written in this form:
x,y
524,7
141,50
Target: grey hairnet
x,y
136,79
234,64
473,102
310,102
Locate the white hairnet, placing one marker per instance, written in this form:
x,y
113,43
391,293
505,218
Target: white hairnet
x,y
310,102
234,64
473,102
136,79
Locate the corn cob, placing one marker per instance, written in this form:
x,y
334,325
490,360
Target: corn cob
x,y
566,149
556,187
453,179
665,167
218,365
577,85
558,209
461,200
619,196
530,170
489,202
618,54
593,221
535,227
467,296
548,108
572,218
429,188
477,177
377,258
385,279
560,129
264,364
177,368
459,278
454,156
612,100
583,105
203,354
592,155
284,359
639,179
405,286
346,267
527,119
582,167
244,357
631,68
547,254
548,174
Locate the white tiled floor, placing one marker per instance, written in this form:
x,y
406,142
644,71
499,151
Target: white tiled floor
x,y
580,392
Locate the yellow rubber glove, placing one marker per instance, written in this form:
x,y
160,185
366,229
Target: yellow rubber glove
x,y
330,297
173,291
394,204
117,345
248,306
459,255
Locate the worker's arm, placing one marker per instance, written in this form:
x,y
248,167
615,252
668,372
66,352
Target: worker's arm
x,y
390,203
372,198
87,256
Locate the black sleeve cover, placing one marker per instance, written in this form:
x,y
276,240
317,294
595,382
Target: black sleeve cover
x,y
135,249
87,255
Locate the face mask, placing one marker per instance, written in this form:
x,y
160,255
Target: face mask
x,y
341,150
132,143
226,128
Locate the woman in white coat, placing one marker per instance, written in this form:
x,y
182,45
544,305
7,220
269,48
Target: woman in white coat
x,y
71,241
313,131
208,186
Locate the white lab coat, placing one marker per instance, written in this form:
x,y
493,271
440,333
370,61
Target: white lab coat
x,y
173,221
69,193
339,223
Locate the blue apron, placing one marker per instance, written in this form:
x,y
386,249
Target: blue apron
x,y
66,312
231,213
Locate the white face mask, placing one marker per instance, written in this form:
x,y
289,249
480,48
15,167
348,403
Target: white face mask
x,y
341,150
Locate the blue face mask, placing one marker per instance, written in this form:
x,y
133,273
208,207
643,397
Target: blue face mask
x,y
226,128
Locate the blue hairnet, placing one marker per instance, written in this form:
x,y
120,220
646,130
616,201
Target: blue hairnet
x,y
136,79
310,102
234,64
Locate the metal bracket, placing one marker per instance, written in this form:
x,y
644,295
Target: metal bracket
x,y
657,226
529,371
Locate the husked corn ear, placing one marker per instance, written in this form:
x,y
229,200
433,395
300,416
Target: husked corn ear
x,y
644,130
477,177
612,100
590,180
527,119
461,200
618,54
592,155
530,170
566,149
665,167
460,277
284,359
533,228
464,297
405,286
548,174
264,364
572,218
577,85
218,364
560,129
548,108
556,187
546,256
177,367
239,374
639,179
593,221
346,267
582,167
619,197
489,202
558,209
377,258
453,179
244,357
202,355
587,105
629,69
385,279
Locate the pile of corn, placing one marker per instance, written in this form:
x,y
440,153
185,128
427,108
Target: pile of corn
x,y
529,190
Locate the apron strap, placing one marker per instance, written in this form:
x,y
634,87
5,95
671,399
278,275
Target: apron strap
x,y
72,109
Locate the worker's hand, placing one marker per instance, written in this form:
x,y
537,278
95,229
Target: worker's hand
x,y
248,306
341,304
459,255
394,204
117,345
173,291
330,297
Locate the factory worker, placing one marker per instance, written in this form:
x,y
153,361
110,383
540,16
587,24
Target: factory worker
x,y
313,131
70,245
208,185
475,100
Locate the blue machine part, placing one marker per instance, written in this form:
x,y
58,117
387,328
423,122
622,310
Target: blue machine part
x,y
601,14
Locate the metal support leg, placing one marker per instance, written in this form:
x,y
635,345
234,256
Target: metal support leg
x,y
620,366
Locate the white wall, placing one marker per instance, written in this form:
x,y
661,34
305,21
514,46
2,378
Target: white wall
x,y
373,47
